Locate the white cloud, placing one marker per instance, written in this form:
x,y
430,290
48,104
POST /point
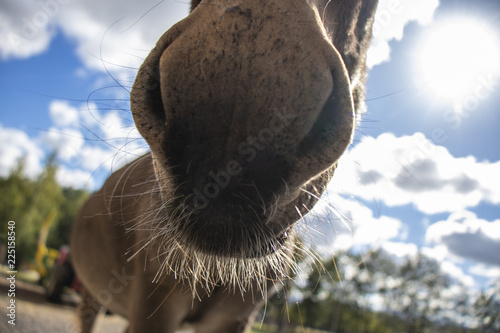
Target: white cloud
x,y
413,170
400,250
107,158
74,178
467,236
113,33
406,170
438,252
89,144
390,20
457,273
109,139
95,157
15,145
113,140
66,142
485,271
62,114
375,231
465,247
26,29
337,224
113,127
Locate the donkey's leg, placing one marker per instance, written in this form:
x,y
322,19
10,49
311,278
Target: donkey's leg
x,y
87,311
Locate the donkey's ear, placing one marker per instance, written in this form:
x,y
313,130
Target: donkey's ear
x,y
194,4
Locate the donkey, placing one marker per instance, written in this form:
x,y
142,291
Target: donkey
x,y
246,107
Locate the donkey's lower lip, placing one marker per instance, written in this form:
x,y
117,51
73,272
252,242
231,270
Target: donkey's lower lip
x,y
274,245
235,243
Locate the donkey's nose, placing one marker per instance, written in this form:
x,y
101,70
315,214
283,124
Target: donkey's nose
x,y
224,79
242,104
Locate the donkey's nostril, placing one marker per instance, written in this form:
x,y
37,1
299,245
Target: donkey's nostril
x,y
235,9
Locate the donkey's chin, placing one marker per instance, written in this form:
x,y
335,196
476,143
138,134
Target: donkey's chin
x,y
238,246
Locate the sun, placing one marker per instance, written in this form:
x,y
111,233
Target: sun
x,y
458,57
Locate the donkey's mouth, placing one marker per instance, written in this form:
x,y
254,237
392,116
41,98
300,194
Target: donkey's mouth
x,y
233,228
260,249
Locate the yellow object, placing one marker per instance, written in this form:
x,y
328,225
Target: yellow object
x,y
45,257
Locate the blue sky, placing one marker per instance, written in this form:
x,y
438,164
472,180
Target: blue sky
x,y
422,173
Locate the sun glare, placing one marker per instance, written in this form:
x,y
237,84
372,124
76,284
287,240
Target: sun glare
x,y
457,58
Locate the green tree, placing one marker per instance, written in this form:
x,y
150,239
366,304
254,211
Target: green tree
x,y
60,230
16,194
377,295
42,205
329,303
487,308
31,203
419,296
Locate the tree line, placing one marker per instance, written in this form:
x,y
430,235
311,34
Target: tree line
x,y
372,293
33,202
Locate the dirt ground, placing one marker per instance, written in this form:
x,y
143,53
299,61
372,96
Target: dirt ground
x,y
35,315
